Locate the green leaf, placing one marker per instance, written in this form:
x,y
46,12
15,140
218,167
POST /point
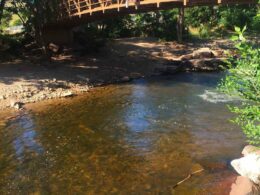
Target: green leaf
x,y
237,29
234,38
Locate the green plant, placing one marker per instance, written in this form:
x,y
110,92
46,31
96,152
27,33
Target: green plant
x,y
204,31
243,79
256,22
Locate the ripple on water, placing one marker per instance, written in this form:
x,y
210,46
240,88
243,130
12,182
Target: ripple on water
x,y
217,97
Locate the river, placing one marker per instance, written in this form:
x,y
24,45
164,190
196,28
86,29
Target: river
x,y
136,138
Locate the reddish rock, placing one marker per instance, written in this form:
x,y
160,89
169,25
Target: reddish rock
x,y
242,186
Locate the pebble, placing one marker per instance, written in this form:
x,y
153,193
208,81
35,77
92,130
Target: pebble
x,y
67,94
16,105
2,97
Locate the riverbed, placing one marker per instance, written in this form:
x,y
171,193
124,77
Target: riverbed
x,y
141,137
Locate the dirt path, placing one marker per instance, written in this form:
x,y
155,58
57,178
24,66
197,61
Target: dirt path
x,y
27,81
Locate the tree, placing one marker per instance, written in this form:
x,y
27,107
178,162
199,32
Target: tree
x,y
2,5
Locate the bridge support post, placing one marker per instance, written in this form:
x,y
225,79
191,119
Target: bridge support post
x,y
180,24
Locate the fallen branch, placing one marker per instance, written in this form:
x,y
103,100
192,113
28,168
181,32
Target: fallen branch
x,y
188,177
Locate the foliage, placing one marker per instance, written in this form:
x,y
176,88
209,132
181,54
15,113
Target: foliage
x,y
90,38
212,20
239,15
198,16
256,22
162,24
7,16
244,80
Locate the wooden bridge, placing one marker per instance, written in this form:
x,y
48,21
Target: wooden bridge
x,y
91,10
76,12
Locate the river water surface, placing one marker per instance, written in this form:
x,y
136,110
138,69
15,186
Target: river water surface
x,y
137,138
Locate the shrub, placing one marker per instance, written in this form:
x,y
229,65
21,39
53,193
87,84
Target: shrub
x,y
243,79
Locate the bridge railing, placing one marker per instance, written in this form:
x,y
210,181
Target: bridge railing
x,y
81,7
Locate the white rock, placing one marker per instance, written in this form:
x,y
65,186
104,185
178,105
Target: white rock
x,y
248,166
67,94
15,104
18,105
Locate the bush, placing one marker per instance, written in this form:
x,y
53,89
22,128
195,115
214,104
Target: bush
x,y
240,16
244,80
204,31
256,22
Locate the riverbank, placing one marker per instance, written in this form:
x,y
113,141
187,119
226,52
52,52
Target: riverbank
x,y
32,80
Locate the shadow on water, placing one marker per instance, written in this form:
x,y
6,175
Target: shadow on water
x,y
142,138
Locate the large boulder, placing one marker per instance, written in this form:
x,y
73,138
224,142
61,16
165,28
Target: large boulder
x,y
200,54
207,64
248,166
203,53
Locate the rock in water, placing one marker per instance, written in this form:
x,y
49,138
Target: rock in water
x,y
241,186
248,166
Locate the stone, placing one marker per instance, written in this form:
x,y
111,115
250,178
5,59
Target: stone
x,y
135,75
54,48
67,94
209,64
249,149
169,68
186,57
15,104
248,166
83,89
242,186
125,79
203,53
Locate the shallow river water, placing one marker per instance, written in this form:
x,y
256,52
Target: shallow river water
x,y
137,138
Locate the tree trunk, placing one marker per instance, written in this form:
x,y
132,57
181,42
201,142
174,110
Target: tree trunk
x,y
38,22
2,5
180,24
